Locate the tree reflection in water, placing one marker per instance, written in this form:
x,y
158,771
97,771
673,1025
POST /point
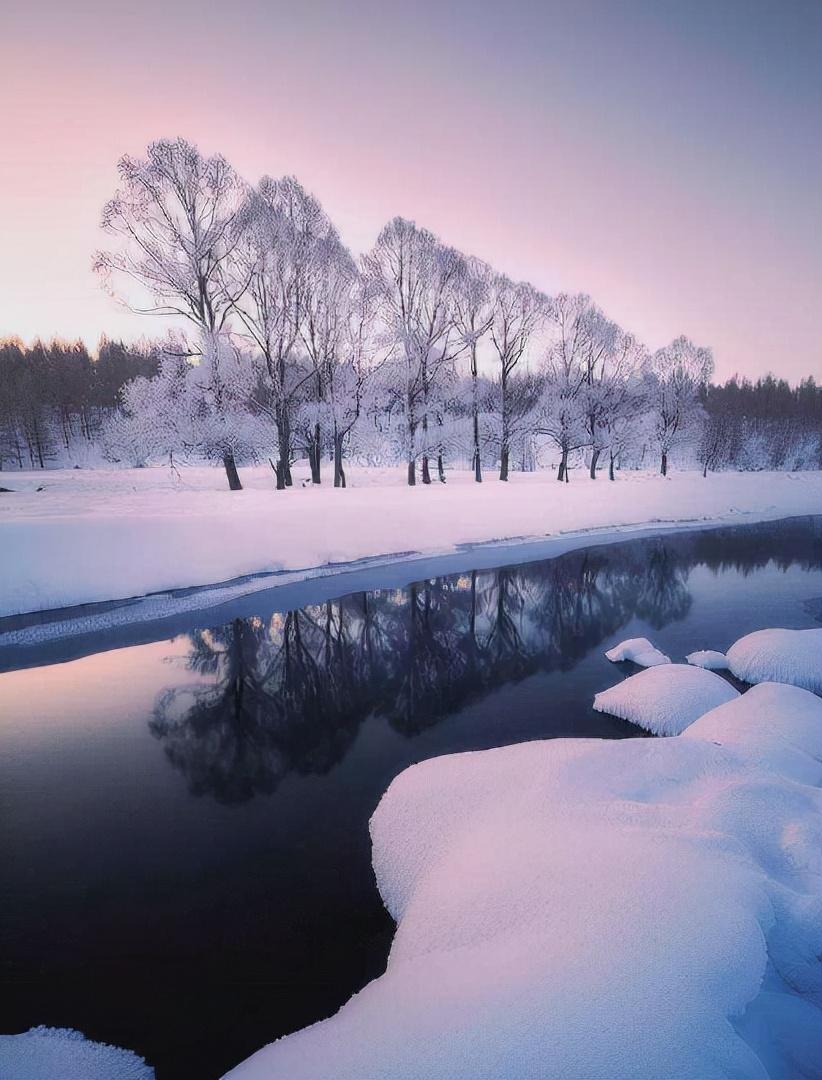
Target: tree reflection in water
x,y
289,693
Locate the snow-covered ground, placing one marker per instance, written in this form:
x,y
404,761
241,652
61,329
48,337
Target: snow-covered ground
x,y
607,910
64,1054
92,535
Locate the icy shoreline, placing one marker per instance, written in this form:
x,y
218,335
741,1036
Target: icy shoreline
x,y
106,535
119,623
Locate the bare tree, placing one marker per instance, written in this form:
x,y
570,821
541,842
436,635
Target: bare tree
x,y
175,215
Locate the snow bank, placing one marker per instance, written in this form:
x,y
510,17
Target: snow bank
x,y
665,700
785,656
105,534
64,1054
709,659
607,910
640,651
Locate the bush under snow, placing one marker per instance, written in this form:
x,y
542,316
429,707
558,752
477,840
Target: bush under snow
x,y
45,1053
785,656
638,650
666,699
583,908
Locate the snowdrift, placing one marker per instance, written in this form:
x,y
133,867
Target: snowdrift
x,y
785,656
665,699
64,1054
623,910
640,651
709,659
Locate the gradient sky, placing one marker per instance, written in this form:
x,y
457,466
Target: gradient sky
x,y
665,157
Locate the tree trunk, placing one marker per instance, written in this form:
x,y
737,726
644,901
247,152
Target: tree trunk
x,y
316,478
611,467
231,473
283,469
426,472
339,471
594,459
705,470
563,466
505,434
475,416
663,468
440,468
412,472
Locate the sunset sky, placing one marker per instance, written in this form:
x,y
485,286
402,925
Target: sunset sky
x,y
664,157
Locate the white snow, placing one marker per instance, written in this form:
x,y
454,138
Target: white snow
x,y
64,1054
785,656
607,910
104,534
709,659
640,651
667,699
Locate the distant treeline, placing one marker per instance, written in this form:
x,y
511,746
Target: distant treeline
x,y
55,397
766,424
52,395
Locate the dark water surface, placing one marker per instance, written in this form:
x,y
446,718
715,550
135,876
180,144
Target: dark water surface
x,y
185,856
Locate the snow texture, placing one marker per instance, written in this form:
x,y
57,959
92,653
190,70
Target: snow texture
x,y
638,650
44,1053
607,910
665,700
709,659
785,656
103,534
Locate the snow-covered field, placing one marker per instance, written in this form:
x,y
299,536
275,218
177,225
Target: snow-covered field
x,y
597,910
92,535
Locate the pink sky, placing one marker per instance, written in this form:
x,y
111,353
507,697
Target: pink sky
x,y
670,165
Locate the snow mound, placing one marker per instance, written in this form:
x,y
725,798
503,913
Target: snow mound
x,y
667,699
785,656
44,1053
628,910
640,651
709,659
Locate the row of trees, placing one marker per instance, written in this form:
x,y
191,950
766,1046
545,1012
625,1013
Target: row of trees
x,y
291,333
414,352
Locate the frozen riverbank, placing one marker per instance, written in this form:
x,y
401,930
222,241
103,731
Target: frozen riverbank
x,y
580,907
99,535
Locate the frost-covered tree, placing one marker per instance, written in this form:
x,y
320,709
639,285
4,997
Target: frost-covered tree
x,y
282,237
175,218
613,394
572,321
678,374
473,316
328,307
518,313
414,277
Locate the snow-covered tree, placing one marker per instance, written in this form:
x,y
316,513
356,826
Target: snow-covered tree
x,y
473,316
175,217
678,373
281,231
572,321
518,313
414,277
